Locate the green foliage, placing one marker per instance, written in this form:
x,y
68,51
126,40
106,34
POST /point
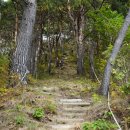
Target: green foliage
x,y
120,69
4,62
107,115
100,124
18,107
102,27
50,108
20,120
121,6
102,20
126,88
31,79
96,98
38,113
3,90
108,51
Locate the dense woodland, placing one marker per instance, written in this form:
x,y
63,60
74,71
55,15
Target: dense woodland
x,y
44,40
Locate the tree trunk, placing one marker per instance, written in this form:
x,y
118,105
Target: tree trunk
x,y
50,55
16,22
91,60
33,54
78,22
16,28
36,59
79,39
24,40
118,43
80,59
57,50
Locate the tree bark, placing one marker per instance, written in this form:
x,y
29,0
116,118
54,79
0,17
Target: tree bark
x,y
49,55
16,21
78,23
36,59
118,43
57,50
33,54
24,39
91,59
80,44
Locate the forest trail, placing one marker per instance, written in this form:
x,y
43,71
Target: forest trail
x,y
70,97
65,102
71,114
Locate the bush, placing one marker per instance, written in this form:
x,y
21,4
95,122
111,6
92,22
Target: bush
x,y
4,67
100,124
96,97
18,107
126,88
38,113
50,108
31,79
19,120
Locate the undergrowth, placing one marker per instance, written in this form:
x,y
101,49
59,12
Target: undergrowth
x,y
4,64
99,124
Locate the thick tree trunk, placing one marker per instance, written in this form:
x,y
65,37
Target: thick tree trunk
x,y
32,60
78,25
117,46
91,60
80,59
24,39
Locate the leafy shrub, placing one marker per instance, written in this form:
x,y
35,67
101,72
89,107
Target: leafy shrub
x,y
3,89
107,115
31,79
96,97
19,120
18,107
100,124
38,113
126,88
4,64
50,108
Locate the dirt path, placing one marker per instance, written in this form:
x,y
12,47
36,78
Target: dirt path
x,y
71,114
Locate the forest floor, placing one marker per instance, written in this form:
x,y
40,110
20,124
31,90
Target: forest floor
x,y
18,107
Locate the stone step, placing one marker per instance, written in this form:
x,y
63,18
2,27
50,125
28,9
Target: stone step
x,y
71,115
50,89
61,120
74,110
62,127
75,104
70,100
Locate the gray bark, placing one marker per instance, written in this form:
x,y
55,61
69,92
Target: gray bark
x,y
111,60
49,55
33,55
78,25
91,59
24,39
80,44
